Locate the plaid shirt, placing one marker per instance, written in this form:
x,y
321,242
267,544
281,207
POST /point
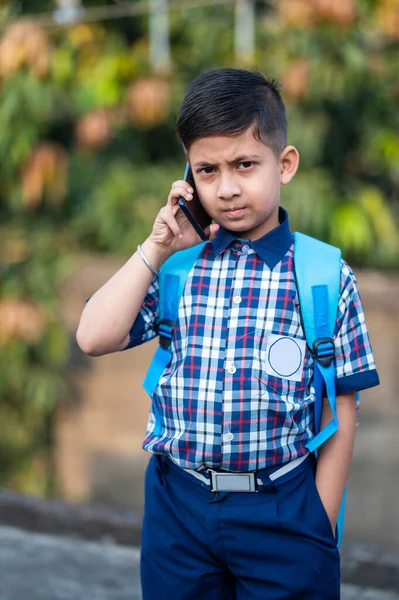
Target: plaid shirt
x,y
219,406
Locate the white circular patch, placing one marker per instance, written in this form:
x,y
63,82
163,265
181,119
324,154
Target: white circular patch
x,y
285,357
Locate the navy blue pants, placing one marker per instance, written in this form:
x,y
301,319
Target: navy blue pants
x,y
273,544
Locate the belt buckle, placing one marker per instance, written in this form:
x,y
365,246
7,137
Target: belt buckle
x,y
232,482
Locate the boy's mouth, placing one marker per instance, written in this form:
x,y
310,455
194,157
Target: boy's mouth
x,y
234,212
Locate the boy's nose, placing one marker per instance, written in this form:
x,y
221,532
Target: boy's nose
x,y
227,188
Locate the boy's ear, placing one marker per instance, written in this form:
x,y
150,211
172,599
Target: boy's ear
x,y
289,162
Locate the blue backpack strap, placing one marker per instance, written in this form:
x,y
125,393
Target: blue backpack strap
x,y
172,279
317,271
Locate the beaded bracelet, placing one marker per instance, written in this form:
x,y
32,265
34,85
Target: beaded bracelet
x,y
147,262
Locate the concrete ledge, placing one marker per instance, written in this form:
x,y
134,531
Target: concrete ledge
x,y
64,518
365,565
370,565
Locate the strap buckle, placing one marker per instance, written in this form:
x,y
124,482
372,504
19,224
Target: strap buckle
x,y
165,331
324,351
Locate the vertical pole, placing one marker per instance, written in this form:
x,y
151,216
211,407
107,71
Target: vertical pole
x,y
245,30
159,35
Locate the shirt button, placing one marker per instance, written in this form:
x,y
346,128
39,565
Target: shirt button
x,y
231,369
245,249
237,299
228,437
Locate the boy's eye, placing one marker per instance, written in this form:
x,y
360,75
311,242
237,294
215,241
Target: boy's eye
x,y
246,164
206,170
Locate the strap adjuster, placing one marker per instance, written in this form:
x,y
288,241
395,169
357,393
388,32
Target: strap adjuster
x,y
324,351
165,331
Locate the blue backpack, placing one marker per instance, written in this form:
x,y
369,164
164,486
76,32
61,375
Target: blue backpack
x,y
317,273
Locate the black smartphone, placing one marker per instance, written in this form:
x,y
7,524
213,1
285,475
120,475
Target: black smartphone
x,y
193,210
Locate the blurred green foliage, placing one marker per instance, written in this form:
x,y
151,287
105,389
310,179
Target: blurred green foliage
x,y
88,153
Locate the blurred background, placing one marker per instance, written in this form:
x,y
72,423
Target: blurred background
x,y
89,93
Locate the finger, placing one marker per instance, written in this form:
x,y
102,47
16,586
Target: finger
x,y
178,192
212,230
175,209
168,217
183,188
182,183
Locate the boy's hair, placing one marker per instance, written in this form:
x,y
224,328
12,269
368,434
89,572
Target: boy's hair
x,y
229,101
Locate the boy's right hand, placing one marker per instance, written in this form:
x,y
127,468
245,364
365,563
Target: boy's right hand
x,y
171,230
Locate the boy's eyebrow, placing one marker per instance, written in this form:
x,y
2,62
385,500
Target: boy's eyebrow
x,y
238,159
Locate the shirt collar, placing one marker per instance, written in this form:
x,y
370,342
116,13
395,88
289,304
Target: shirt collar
x,y
271,247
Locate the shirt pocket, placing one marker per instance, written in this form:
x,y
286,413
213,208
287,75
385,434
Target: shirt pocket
x,y
287,382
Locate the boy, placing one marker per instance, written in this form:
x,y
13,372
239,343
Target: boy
x,y
219,408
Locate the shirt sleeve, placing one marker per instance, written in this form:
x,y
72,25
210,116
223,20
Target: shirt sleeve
x,y
145,327
355,366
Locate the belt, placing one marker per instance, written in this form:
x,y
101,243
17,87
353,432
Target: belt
x,y
223,481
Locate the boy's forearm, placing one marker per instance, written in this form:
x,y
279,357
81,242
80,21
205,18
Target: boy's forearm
x,y
108,316
335,455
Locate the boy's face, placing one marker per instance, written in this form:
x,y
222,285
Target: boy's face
x,y
238,181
